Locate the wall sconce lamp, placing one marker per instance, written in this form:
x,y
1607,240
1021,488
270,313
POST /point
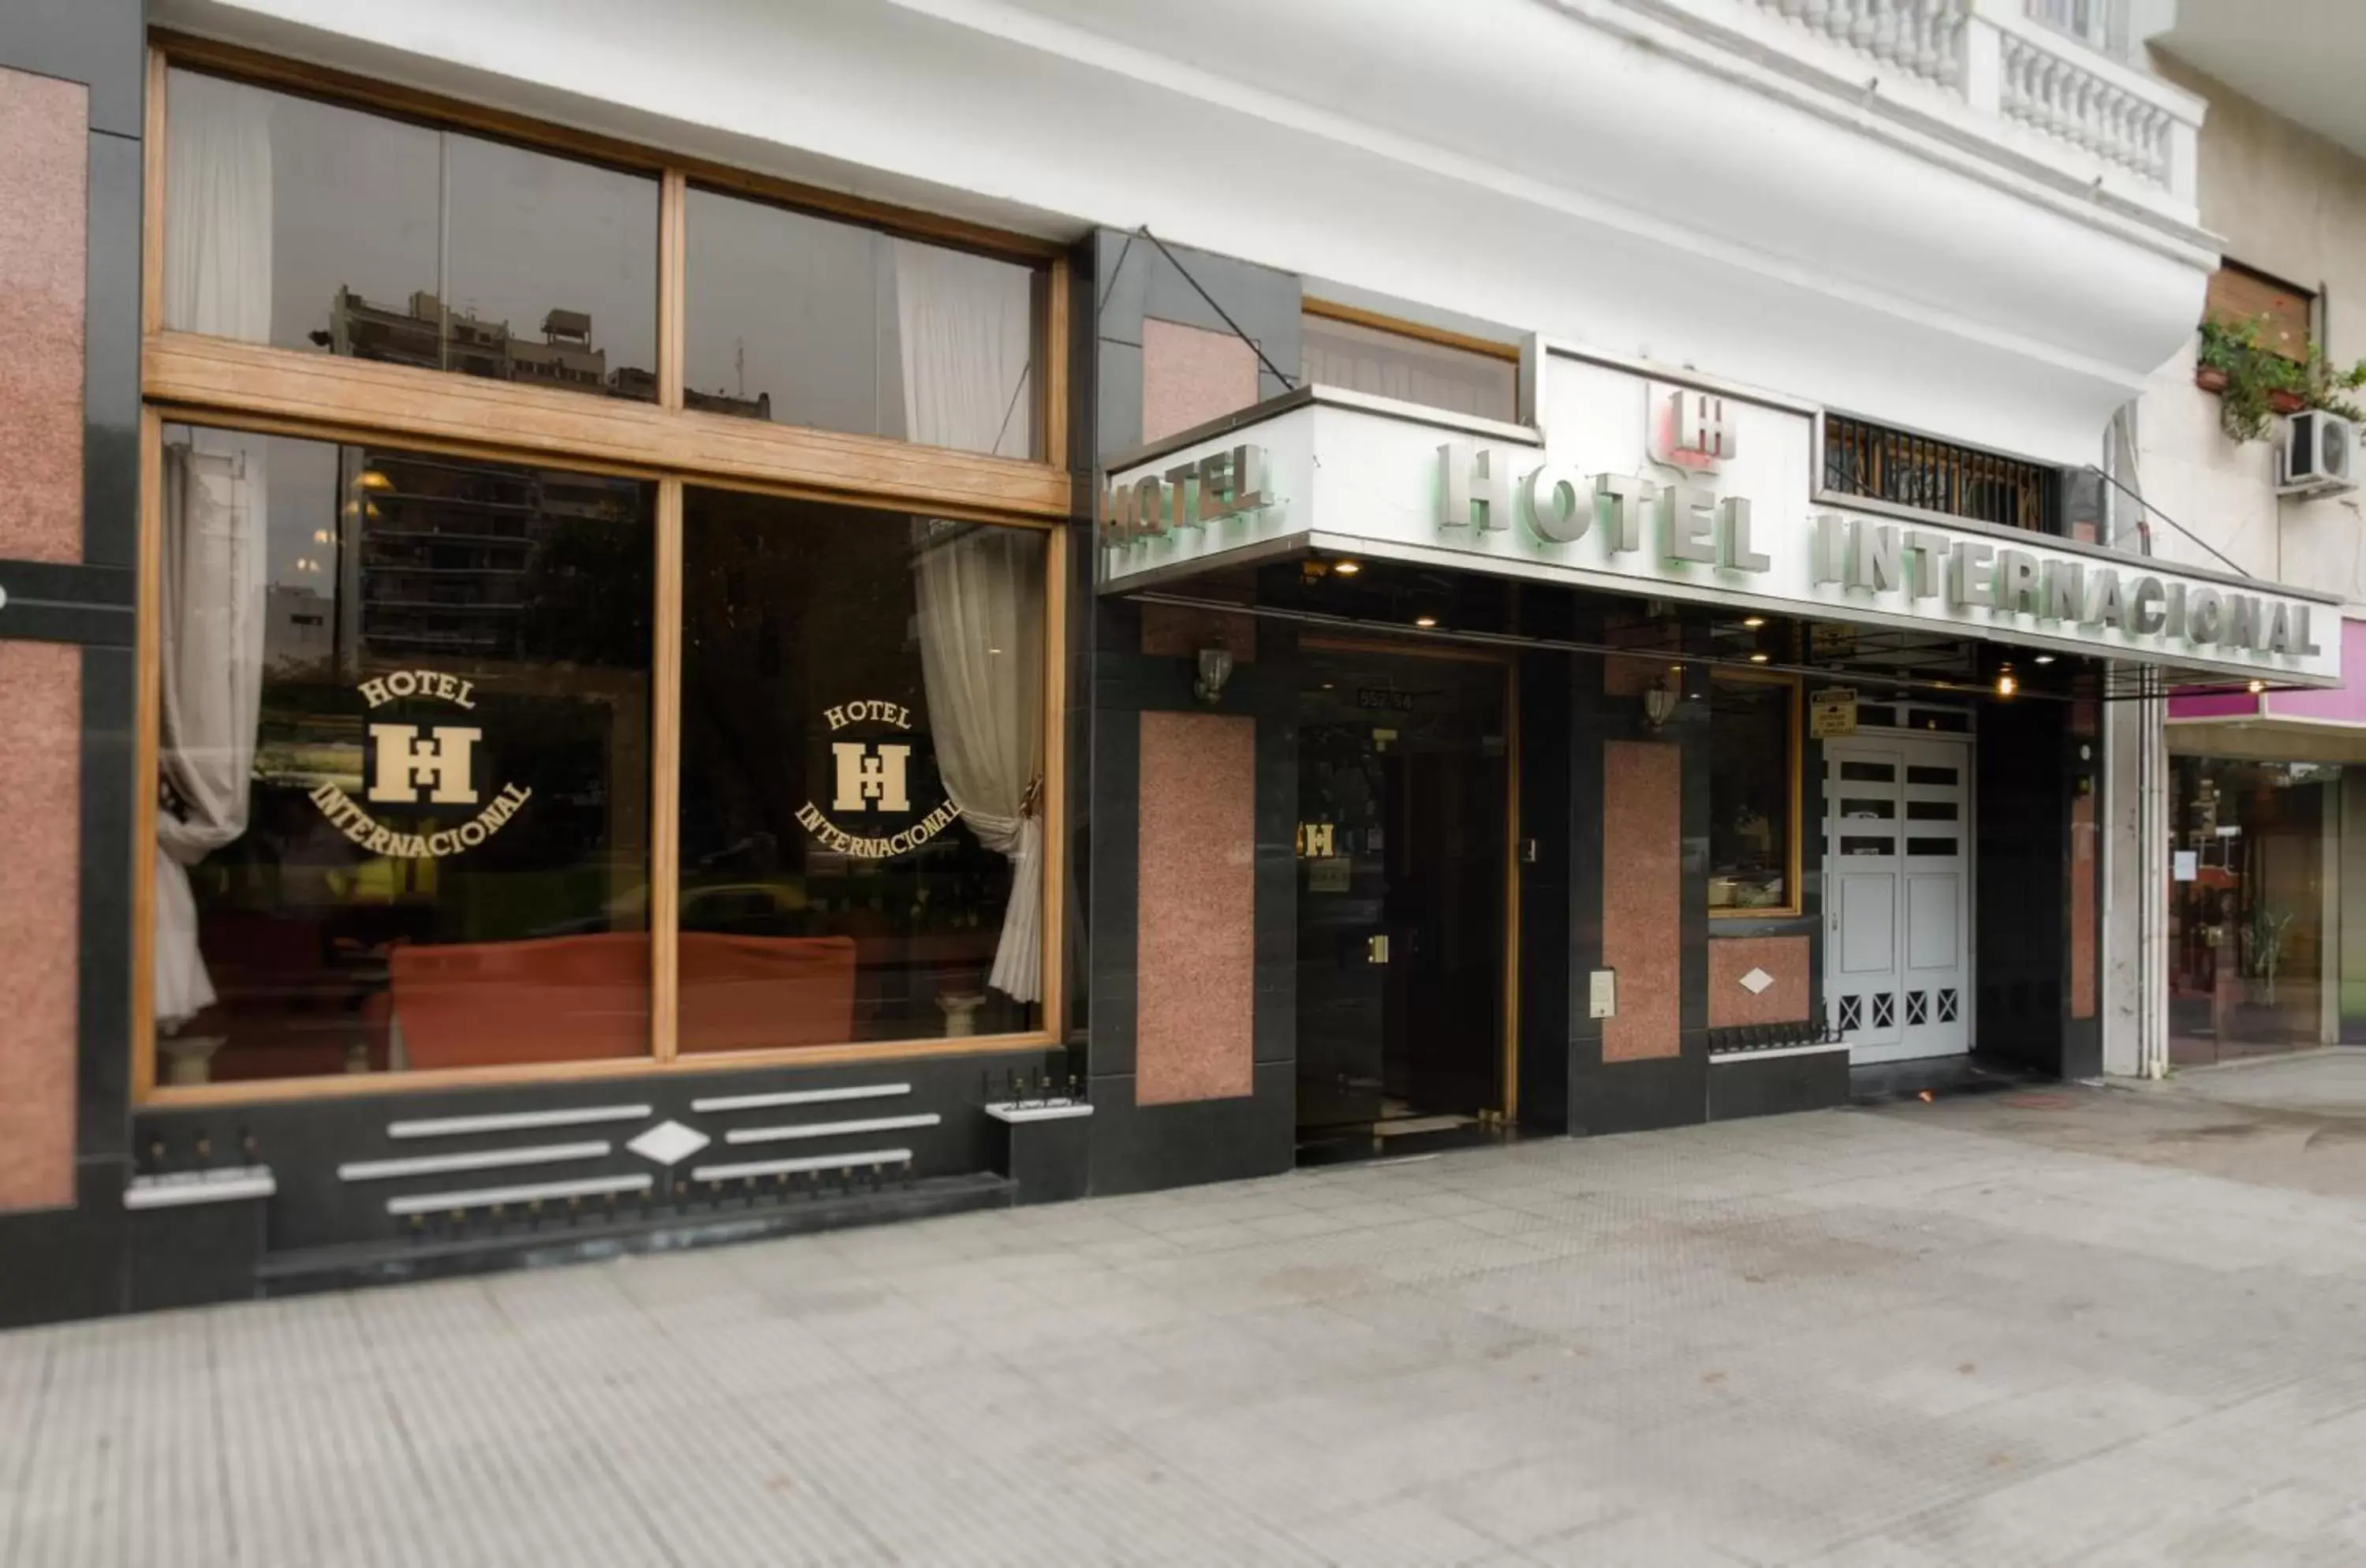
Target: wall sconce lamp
x,y
1658,706
1215,669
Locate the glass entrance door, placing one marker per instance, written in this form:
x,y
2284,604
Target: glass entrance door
x,y
1403,854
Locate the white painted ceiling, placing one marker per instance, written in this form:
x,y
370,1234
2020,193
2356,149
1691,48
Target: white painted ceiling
x,y
2304,59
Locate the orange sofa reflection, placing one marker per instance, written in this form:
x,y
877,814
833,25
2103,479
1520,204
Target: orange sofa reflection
x,y
586,998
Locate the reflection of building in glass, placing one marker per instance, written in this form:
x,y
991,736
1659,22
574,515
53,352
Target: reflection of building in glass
x,y
444,557
296,636
437,568
433,336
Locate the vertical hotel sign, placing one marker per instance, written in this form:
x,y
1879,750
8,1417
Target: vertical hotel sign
x,y
432,765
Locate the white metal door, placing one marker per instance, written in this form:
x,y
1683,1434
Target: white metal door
x,y
1897,847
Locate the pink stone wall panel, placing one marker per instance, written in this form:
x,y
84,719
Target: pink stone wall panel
x,y
1642,898
1731,1003
41,776
1179,631
1196,923
44,169
1190,376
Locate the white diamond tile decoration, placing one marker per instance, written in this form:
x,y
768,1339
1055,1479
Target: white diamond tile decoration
x,y
1756,982
668,1142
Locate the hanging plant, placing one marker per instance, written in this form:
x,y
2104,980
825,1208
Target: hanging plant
x,y
2256,383
2245,377
2323,387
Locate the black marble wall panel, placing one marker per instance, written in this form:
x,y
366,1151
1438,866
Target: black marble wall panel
x,y
71,1261
2021,923
1135,1147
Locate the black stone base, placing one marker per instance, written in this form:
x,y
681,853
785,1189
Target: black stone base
x,y
1048,1161
523,1246
1640,1097
1773,1086
194,1254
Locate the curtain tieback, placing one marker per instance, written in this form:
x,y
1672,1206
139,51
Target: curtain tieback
x,y
1030,802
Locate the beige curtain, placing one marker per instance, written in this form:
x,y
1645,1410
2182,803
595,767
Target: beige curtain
x,y
965,332
217,280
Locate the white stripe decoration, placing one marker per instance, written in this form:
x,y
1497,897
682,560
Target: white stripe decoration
x,y
799,1096
1053,1111
1720,1058
480,1159
485,1197
806,1162
514,1122
828,1128
1756,982
179,1189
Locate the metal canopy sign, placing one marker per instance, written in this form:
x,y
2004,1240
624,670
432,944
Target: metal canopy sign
x,y
1648,487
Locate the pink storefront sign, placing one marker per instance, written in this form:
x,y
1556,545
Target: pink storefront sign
x,y
2345,703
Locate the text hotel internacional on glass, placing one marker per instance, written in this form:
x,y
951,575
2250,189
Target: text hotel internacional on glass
x,y
638,736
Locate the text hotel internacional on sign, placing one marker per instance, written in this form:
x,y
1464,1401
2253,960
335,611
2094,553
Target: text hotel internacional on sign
x,y
1675,491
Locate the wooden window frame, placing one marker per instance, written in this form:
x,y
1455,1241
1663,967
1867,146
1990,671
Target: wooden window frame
x,y
187,378
1397,326
1795,895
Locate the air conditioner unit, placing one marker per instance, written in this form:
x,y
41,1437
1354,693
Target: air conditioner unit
x,y
2319,455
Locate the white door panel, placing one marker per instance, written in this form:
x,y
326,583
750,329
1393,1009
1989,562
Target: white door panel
x,y
1935,938
1898,851
1869,923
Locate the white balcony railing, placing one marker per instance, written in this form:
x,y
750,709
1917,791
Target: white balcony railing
x,y
1999,60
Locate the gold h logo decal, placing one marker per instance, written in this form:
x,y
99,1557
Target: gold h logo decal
x,y
871,778
439,762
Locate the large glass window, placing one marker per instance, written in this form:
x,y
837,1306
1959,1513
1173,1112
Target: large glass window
x,y
2254,936
403,815
810,322
304,225
1754,777
861,745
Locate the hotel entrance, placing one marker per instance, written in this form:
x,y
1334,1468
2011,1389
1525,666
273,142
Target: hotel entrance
x,y
1403,848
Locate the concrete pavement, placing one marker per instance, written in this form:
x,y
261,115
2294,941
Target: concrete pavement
x,y
2058,1326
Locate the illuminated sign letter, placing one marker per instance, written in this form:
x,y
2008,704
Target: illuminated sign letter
x,y
1557,504
1688,524
1478,488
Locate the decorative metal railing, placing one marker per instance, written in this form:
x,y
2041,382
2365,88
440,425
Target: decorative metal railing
x,y
1869,460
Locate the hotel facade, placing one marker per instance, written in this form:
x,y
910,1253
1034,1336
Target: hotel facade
x,y
621,636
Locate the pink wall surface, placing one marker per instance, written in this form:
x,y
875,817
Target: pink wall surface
x,y
1196,917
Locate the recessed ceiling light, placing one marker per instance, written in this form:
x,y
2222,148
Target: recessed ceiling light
x,y
2257,686
1758,658
1754,622
2006,684
1346,567
2043,659
1424,621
